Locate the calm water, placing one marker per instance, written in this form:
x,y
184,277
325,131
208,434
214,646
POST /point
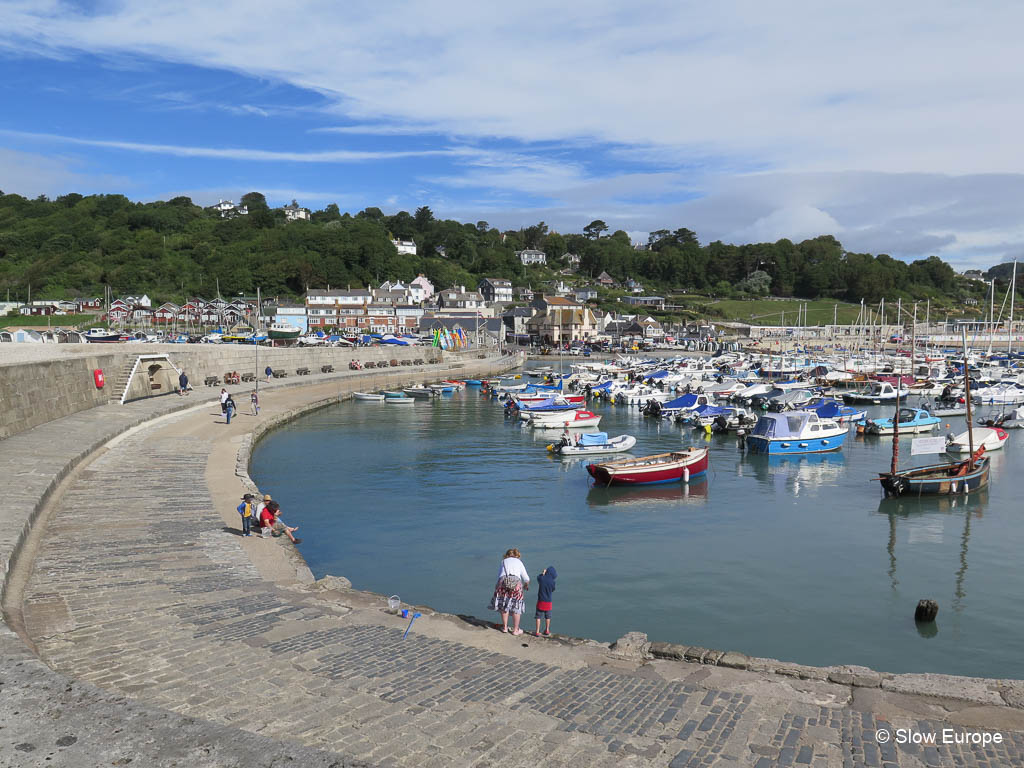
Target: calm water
x,y
791,558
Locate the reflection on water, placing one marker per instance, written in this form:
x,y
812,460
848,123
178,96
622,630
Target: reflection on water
x,y
695,492
790,557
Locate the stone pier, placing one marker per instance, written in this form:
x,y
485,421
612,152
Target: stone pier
x,y
150,633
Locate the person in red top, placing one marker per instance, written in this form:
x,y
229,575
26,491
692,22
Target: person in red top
x,y
270,520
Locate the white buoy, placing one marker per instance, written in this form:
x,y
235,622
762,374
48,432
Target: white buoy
x,y
686,475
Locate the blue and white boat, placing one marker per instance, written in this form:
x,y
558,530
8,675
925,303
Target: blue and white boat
x,y
795,432
910,420
839,413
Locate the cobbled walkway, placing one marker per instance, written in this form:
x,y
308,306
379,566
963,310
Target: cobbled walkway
x,y
139,588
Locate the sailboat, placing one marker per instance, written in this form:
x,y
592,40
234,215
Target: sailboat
x,y
939,479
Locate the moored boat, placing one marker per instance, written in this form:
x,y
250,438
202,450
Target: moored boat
x,y
910,420
399,400
989,438
101,336
592,443
419,392
566,419
879,392
369,396
660,468
937,479
795,432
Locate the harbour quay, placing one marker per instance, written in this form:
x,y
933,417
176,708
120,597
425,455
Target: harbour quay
x,y
139,628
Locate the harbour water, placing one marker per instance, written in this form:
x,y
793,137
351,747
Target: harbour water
x,y
795,558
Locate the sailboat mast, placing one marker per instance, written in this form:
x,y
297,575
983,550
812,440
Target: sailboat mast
x,y
991,313
256,340
1009,329
967,397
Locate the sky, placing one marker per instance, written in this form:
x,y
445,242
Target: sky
x,y
893,126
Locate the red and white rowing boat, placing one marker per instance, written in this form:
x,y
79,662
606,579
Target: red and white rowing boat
x,y
562,419
660,468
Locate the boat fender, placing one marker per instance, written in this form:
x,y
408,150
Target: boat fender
x,y
686,474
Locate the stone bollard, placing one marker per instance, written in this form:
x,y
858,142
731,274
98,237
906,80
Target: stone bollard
x,y
632,645
926,610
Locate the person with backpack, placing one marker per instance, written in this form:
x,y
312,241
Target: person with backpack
x,y
229,408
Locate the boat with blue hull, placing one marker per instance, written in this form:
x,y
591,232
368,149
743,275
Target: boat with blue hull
x,y
795,432
910,420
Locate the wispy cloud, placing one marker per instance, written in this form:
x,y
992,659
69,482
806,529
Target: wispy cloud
x,y
236,153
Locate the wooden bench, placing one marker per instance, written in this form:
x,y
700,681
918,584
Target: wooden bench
x,y
211,381
326,369
302,371
248,377
279,373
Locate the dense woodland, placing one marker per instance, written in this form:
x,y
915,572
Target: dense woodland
x,y
75,245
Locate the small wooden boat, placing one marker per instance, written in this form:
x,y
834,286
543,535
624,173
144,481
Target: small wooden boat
x,y
937,479
369,396
660,468
592,443
399,400
388,394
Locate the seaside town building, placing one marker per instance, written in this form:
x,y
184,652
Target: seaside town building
x,y
294,212
531,256
495,289
405,246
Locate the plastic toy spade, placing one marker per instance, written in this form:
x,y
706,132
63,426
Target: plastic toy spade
x,y
414,617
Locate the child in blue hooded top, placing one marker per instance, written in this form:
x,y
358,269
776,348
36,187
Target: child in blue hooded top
x,y
546,585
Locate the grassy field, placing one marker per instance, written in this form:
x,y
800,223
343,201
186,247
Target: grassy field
x,y
54,321
784,311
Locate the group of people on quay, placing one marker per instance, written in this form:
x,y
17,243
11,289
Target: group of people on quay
x,y
266,516
509,597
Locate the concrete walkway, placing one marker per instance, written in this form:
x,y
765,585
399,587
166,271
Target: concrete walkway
x,y
142,587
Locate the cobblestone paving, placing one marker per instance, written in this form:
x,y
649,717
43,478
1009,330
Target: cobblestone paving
x,y
138,588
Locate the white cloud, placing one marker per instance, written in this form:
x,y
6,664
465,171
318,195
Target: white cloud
x,y
235,153
890,124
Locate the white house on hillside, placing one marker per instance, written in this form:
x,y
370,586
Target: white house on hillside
x,y
228,209
294,213
405,246
532,256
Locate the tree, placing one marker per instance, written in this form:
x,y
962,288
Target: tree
x,y
594,229
423,216
254,201
482,227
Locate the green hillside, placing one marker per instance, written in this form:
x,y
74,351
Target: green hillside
x,y
75,246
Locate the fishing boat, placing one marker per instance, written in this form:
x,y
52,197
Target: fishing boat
x,y
559,420
989,438
963,477
282,330
399,400
660,468
369,396
879,392
388,394
591,443
795,432
101,336
910,419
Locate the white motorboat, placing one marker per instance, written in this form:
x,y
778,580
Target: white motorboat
x,y
560,420
591,443
369,396
992,438
419,392
399,400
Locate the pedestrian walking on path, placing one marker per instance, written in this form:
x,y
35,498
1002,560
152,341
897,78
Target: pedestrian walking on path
x,y
269,372
545,586
224,400
254,403
229,408
513,580
183,387
245,510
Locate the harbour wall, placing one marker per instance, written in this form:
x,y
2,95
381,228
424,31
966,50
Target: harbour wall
x,y
43,706
35,392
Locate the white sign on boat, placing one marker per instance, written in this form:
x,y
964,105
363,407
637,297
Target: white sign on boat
x,y
920,445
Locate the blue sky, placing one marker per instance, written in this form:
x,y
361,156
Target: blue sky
x,y
893,128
